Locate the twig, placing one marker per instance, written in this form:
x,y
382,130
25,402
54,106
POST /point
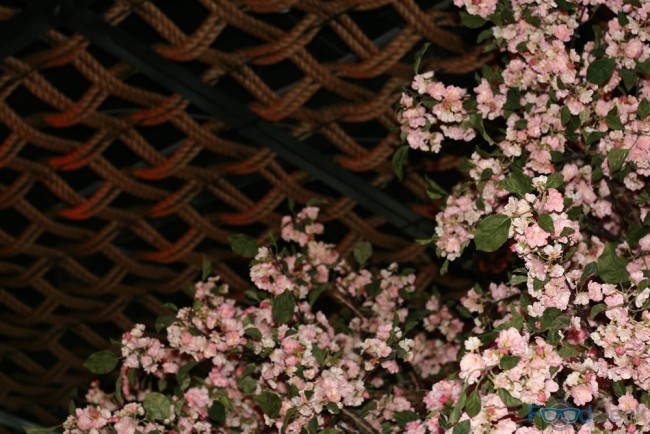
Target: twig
x,y
359,422
629,211
337,296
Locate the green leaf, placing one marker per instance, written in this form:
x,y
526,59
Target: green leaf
x,y
598,35
552,319
613,120
316,291
546,222
611,267
283,307
434,190
619,388
539,422
39,430
206,269
645,399
508,362
247,384
332,408
473,406
418,57
227,402
471,21
319,354
162,322
131,375
183,375
630,78
485,34
518,183
404,417
616,158
293,391
571,127
565,5
462,427
644,67
287,418
565,115
553,337
513,99
486,174
492,75
555,180
101,362
373,288
516,279
312,426
399,158
270,403
444,268
590,269
492,232
521,124
596,175
643,110
253,333
635,233
507,398
463,311
522,413
157,406
567,352
171,306
488,338
596,309
622,19
362,252
600,70
531,19
455,413
243,245
317,201
593,137
217,412
119,397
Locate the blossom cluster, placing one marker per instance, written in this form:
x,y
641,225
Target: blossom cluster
x,y
279,363
558,180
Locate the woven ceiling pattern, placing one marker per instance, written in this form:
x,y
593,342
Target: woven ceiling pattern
x,y
112,188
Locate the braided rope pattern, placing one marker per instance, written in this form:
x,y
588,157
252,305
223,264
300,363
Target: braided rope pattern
x,y
101,223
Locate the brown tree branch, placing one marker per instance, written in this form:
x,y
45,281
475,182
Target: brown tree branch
x,y
363,426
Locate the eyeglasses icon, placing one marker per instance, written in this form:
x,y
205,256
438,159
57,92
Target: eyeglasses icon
x,y
569,415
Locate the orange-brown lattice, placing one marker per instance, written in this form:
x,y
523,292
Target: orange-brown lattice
x,y
112,188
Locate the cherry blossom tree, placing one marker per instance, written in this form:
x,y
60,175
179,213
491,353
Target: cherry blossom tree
x,y
559,178
560,131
